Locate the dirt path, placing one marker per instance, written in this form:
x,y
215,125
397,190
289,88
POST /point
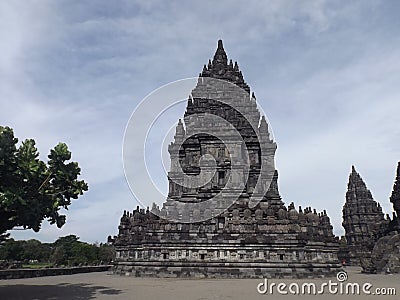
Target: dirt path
x,y
105,286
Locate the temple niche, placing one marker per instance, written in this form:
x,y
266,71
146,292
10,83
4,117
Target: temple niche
x,y
222,151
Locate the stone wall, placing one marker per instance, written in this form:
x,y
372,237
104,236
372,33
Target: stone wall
x,y
28,273
226,270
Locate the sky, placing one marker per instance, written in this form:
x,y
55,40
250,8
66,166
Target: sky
x,y
326,73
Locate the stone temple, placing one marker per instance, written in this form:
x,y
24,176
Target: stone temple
x,y
363,220
224,216
371,240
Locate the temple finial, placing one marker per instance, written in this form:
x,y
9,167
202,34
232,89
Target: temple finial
x,y
179,131
220,56
263,125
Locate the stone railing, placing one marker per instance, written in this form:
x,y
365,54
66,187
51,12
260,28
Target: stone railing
x,y
27,273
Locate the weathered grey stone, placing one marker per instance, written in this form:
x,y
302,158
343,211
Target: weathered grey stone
x,y
28,273
363,220
395,199
385,255
244,240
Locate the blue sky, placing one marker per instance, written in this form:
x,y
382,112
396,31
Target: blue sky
x,y
325,72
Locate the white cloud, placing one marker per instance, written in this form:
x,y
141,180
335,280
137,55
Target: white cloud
x,y
324,72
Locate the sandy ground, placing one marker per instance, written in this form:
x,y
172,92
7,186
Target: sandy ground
x,y
106,286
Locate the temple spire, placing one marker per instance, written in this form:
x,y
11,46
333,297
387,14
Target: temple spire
x,y
357,189
219,68
220,56
363,220
263,129
395,197
180,131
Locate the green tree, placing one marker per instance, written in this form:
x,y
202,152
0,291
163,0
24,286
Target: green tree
x,y
70,251
106,253
83,254
63,249
35,250
58,257
32,190
12,250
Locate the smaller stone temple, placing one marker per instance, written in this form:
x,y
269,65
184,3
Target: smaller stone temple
x,y
385,256
363,220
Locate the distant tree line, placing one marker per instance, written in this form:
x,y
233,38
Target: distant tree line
x,y
65,251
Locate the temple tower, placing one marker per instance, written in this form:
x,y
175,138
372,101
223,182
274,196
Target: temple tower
x,y
229,105
363,219
222,151
395,199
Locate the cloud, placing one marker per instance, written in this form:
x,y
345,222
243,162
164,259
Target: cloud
x,y
324,72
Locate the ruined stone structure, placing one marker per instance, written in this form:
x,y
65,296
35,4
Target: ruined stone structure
x,y
385,256
395,199
246,231
363,220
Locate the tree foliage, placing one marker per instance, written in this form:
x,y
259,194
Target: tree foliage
x,y
12,250
72,252
65,251
32,190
